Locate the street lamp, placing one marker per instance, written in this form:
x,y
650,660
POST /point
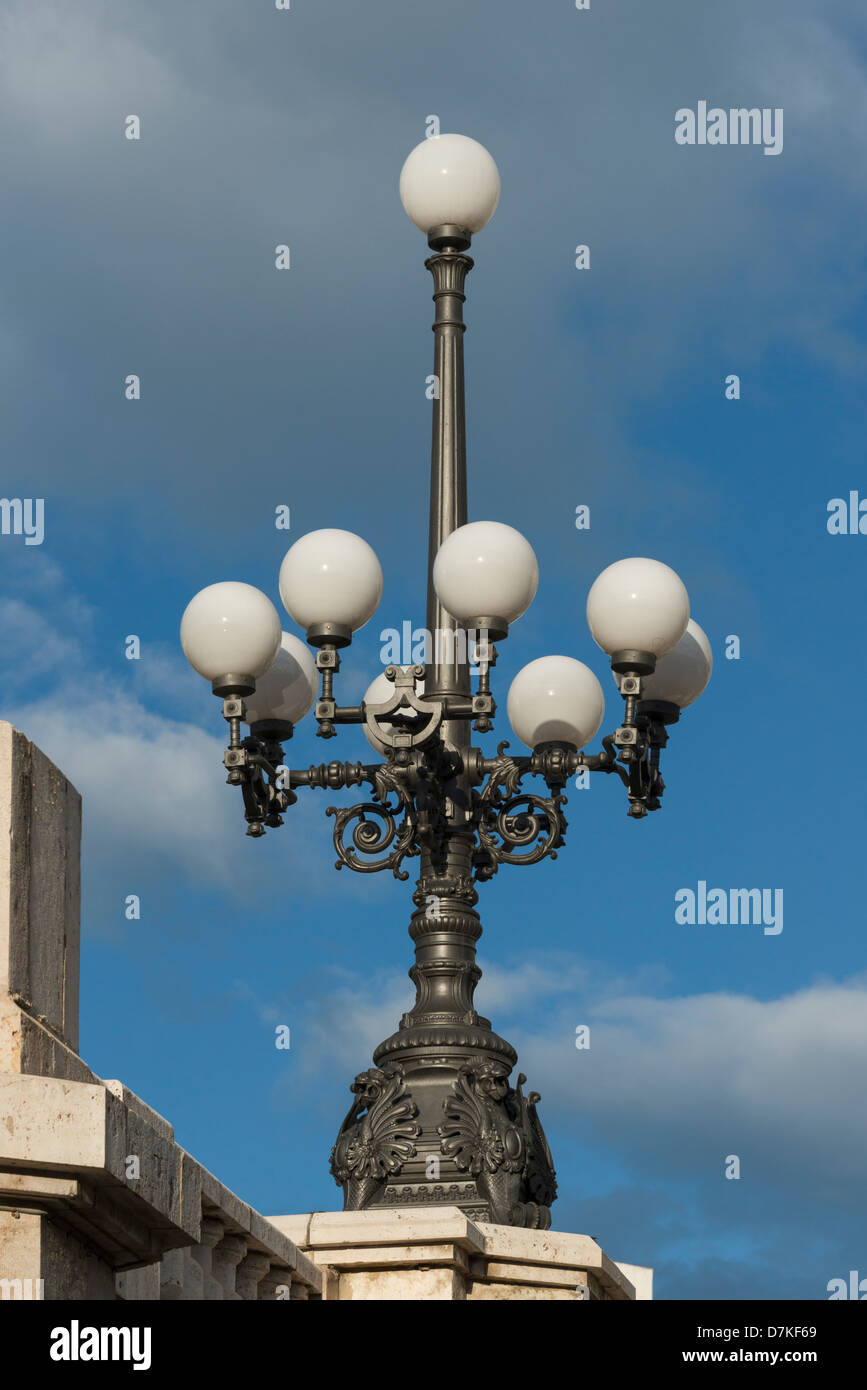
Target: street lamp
x,y
436,1120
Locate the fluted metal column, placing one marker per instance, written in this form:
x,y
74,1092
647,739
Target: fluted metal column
x,y
436,1121
448,476
442,1032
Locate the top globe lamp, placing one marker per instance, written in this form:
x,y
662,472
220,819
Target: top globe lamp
x,y
450,187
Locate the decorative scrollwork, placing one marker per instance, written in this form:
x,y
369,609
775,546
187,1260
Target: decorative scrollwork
x,y
377,1136
370,838
520,828
387,781
493,1132
506,773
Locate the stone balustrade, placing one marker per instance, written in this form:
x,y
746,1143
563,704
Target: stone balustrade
x,y
228,1262
98,1201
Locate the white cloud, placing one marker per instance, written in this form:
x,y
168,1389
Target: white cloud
x,y
153,786
672,1084
679,1083
148,783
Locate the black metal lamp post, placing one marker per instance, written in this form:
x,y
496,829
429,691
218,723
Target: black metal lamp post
x,y
436,1120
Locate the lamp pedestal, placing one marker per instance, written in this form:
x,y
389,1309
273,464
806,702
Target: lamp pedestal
x,y
436,1120
439,1253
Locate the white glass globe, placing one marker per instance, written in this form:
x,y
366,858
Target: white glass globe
x,y
378,692
638,605
289,686
485,570
230,629
555,699
682,674
450,180
330,577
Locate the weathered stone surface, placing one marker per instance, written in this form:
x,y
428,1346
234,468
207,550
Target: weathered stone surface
x,y
382,1226
225,1259
556,1248
66,1153
394,1256
276,1285
50,1123
25,1188
443,1285
172,1276
438,1252
137,1285
40,886
26,1045
252,1269
138,1194
237,1216
21,1244
641,1278
133,1102
500,1292
545,1276
53,1123
34,1249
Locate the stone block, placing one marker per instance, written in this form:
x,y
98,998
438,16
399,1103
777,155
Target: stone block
x,y
556,1249
35,1250
133,1102
394,1256
543,1276
479,1292
418,1285
438,1252
27,1045
382,1226
641,1279
40,886
139,1285
71,1127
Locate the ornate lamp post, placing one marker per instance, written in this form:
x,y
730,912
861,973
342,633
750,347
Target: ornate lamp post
x,y
436,1120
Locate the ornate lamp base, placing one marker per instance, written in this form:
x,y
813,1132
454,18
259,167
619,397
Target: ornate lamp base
x,y
437,1121
426,1135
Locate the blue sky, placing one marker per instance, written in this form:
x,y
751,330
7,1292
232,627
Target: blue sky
x,y
603,387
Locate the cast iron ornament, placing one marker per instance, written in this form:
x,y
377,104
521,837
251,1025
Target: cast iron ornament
x,y
436,1120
